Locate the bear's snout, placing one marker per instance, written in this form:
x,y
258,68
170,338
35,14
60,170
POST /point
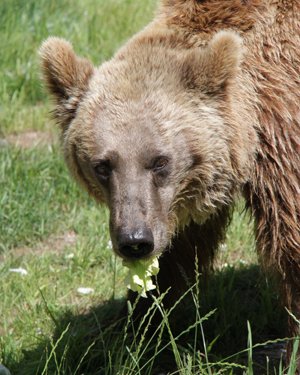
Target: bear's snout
x,y
136,243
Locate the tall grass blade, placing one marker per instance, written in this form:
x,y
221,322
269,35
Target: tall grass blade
x,y
54,347
293,361
250,350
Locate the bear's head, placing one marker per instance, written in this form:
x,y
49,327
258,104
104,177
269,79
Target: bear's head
x,y
145,133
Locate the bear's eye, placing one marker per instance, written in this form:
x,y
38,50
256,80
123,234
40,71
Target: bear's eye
x,y
160,163
103,170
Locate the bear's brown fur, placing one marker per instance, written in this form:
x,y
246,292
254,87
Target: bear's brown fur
x,y
184,116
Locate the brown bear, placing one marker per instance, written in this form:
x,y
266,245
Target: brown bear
x,y
202,104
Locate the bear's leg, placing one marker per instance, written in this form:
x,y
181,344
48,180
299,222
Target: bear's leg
x,y
196,242
291,300
275,205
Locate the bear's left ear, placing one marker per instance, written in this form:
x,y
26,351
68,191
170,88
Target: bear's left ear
x,y
66,76
211,68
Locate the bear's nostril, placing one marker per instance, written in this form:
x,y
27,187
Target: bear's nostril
x,y
137,243
136,250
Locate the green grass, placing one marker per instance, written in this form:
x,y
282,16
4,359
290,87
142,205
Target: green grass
x,y
47,326
36,188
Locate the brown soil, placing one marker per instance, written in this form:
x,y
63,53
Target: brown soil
x,y
54,244
30,139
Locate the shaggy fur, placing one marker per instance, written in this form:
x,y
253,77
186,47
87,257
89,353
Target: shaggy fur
x,y
221,113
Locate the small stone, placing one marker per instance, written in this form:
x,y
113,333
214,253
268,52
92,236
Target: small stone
x,y
4,370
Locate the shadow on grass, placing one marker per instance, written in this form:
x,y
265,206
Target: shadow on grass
x,y
97,342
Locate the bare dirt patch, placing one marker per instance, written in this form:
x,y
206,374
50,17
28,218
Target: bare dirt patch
x,y
53,244
31,139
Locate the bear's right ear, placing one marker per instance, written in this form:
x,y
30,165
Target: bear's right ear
x,y
66,76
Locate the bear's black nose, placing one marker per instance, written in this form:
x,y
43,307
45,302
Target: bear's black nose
x,y
137,243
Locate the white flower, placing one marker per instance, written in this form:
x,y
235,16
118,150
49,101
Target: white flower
x,y
223,247
83,290
69,256
21,271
